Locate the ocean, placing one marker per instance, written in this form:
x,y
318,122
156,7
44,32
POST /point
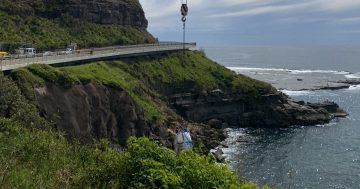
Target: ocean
x,y
319,156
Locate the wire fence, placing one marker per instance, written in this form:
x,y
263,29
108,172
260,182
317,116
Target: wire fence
x,y
17,61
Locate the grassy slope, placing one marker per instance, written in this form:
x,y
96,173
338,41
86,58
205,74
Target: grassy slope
x,y
43,159
50,34
193,66
139,77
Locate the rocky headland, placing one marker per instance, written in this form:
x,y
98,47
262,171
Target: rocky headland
x,y
223,110
53,121
154,96
148,96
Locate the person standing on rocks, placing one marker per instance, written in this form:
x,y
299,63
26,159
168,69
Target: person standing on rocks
x,y
182,140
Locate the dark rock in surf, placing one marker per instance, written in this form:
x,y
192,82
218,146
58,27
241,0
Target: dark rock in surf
x,y
271,110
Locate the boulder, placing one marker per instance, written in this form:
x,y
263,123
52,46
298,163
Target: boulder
x,y
215,123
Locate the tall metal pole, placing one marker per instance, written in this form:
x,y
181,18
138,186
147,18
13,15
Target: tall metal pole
x,y
184,12
184,33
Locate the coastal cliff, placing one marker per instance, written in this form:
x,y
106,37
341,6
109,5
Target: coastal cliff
x,y
150,96
153,96
92,110
73,126
118,12
49,25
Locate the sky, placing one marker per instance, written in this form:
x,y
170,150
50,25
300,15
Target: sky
x,y
257,22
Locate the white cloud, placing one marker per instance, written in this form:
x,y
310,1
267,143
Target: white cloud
x,y
161,8
349,31
348,20
301,19
266,10
156,8
339,5
213,15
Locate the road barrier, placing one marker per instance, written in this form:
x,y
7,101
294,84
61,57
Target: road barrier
x,y
86,55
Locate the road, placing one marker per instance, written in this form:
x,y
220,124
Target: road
x,y
95,54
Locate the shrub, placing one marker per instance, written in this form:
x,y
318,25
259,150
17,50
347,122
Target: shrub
x,y
36,158
148,165
14,105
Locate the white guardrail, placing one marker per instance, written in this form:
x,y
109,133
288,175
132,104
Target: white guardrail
x,y
17,61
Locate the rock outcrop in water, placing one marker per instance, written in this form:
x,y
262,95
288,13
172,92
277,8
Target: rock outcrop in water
x,y
221,109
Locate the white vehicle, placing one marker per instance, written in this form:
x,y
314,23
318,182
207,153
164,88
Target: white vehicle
x,y
48,53
26,52
67,51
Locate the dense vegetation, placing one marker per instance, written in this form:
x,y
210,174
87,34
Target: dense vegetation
x,y
15,106
52,34
42,159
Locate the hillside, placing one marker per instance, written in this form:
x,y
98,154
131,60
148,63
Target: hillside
x,y
55,24
153,96
74,126
134,82
34,153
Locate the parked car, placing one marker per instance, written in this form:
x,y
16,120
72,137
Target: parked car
x,y
48,53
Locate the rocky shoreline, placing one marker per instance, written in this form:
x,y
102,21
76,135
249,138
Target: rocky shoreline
x,y
222,110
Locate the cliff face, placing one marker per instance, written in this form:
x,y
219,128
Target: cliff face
x,y
221,109
53,24
120,12
92,111
174,90
87,111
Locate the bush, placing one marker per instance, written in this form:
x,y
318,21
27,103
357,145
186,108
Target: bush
x,y
36,158
148,165
14,105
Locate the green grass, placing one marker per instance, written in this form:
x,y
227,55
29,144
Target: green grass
x,y
44,159
193,66
52,34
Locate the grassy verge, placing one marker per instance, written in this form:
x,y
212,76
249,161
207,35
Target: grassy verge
x,y
193,66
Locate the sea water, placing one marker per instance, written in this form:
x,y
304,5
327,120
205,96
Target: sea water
x,y
319,156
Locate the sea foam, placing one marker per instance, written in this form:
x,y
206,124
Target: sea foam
x,y
296,93
239,69
353,76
